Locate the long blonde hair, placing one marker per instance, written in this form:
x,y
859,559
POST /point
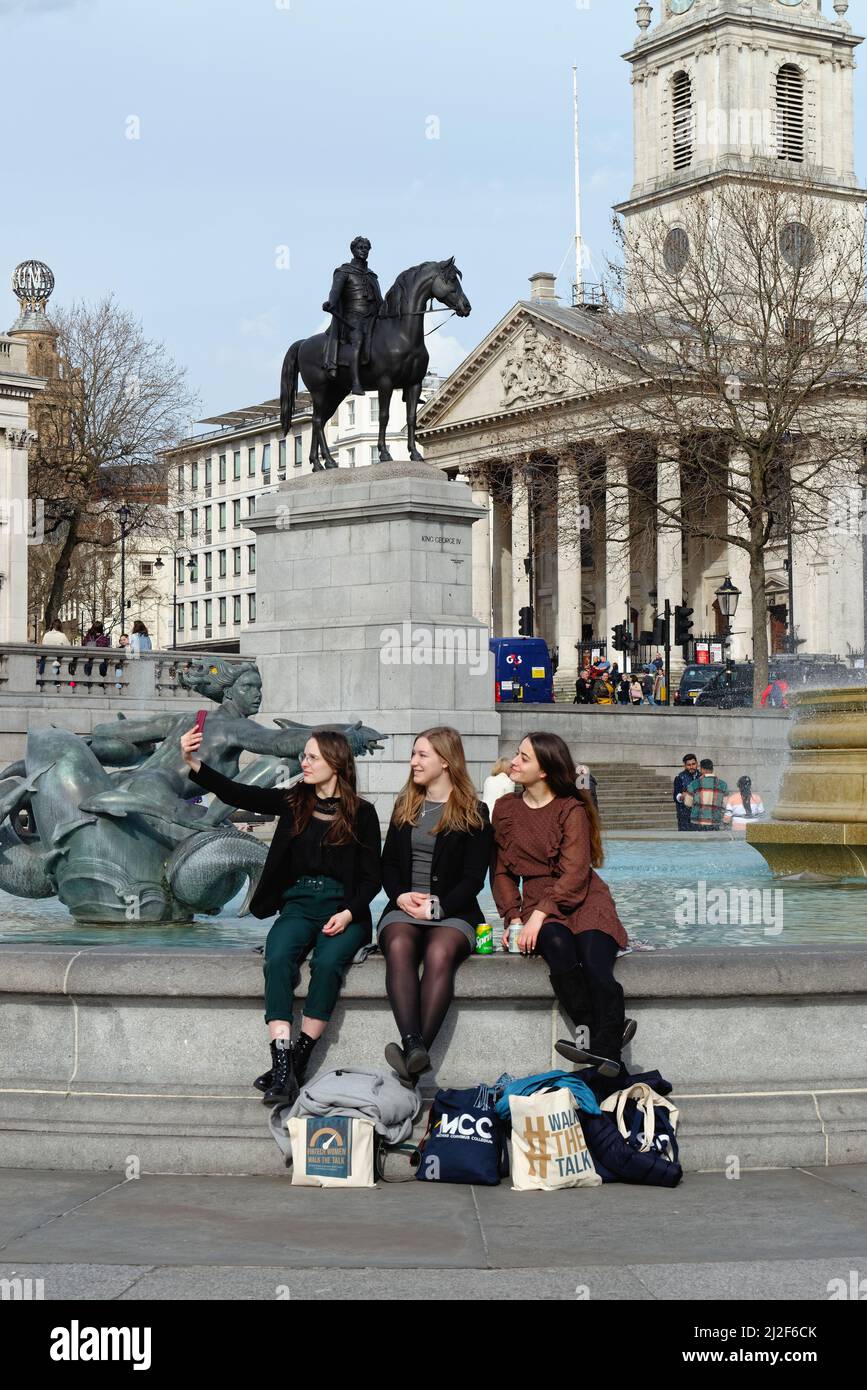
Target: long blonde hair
x,y
461,811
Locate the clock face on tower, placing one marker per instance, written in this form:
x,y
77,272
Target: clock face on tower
x,y
790,2
680,6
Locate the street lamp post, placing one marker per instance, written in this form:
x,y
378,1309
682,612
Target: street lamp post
x,y
158,565
727,596
123,514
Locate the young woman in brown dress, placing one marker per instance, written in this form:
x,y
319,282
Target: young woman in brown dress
x,y
547,848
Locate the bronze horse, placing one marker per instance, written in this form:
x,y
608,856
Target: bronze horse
x,y
397,359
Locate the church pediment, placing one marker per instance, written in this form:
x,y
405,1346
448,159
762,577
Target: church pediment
x,y
533,357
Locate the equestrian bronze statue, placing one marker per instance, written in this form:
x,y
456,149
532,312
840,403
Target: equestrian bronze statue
x,y
373,344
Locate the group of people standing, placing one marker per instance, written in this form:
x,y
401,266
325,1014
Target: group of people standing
x,y
326,865
603,683
704,802
96,636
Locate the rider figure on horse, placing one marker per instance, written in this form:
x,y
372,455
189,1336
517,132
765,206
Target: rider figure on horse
x,y
354,300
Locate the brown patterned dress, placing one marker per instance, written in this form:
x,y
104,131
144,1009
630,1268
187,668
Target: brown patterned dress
x,y
542,862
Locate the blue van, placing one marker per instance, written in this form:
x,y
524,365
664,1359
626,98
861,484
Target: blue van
x,y
522,670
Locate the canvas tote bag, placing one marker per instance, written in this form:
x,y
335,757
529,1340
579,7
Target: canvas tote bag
x,y
548,1146
646,1121
331,1151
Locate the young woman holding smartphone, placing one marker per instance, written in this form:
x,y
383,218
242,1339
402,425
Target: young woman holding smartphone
x,y
436,855
548,846
321,875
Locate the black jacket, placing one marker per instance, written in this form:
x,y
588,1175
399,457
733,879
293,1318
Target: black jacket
x,y
460,864
356,865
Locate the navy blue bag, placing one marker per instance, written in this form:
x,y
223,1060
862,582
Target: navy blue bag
x,y
465,1140
616,1161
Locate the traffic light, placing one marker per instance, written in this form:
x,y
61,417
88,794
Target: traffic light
x,y
619,639
682,624
659,635
525,622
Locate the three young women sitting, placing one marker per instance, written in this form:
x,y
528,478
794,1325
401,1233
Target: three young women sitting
x,y
321,875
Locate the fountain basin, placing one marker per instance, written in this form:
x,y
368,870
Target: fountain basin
x,y
820,820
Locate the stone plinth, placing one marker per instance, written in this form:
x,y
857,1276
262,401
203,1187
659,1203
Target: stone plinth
x,y
820,820
365,611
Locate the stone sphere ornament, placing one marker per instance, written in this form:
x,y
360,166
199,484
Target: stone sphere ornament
x,y
33,283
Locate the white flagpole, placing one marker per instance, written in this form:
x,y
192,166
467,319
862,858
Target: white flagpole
x,y
579,250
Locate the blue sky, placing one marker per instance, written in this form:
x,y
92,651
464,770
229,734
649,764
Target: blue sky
x,y
301,123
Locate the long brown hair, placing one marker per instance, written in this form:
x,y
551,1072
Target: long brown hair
x,y
336,751
558,765
461,811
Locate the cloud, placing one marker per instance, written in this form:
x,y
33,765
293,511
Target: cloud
x,y
446,352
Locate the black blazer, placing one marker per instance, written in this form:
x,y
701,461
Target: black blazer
x,y
460,864
356,865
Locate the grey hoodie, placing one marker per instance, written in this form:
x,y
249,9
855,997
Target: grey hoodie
x,y
354,1091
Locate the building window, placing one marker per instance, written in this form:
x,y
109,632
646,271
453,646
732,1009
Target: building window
x,y
236,512
281,457
299,450
236,559
194,521
221,516
209,565
675,251
221,563
251,463
350,454
146,569
180,526
181,478
208,511
194,476
222,612
180,569
799,332
251,608
180,617
790,114
681,105
222,468
251,559
374,453
194,614
236,608
251,506
194,569
350,412
266,458
209,611
207,472
236,464
374,410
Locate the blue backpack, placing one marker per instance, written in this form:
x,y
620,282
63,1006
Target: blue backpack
x,y
465,1140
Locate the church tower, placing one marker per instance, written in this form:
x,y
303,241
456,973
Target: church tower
x,y
723,88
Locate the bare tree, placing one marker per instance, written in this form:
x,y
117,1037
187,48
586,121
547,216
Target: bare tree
x,y
738,337
119,401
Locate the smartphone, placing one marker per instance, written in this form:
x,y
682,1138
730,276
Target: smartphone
x,y
201,716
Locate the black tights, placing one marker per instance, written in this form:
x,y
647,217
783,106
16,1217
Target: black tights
x,y
594,951
421,1006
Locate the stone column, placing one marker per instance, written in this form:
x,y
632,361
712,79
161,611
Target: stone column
x,y
14,530
482,590
520,546
501,545
617,564
568,575
738,560
669,549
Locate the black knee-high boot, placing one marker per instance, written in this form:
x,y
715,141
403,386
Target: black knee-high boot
x,y
570,990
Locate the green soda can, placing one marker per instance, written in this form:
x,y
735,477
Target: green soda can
x,y
484,939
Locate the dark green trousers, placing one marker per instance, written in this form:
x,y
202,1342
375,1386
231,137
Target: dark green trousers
x,y
297,932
